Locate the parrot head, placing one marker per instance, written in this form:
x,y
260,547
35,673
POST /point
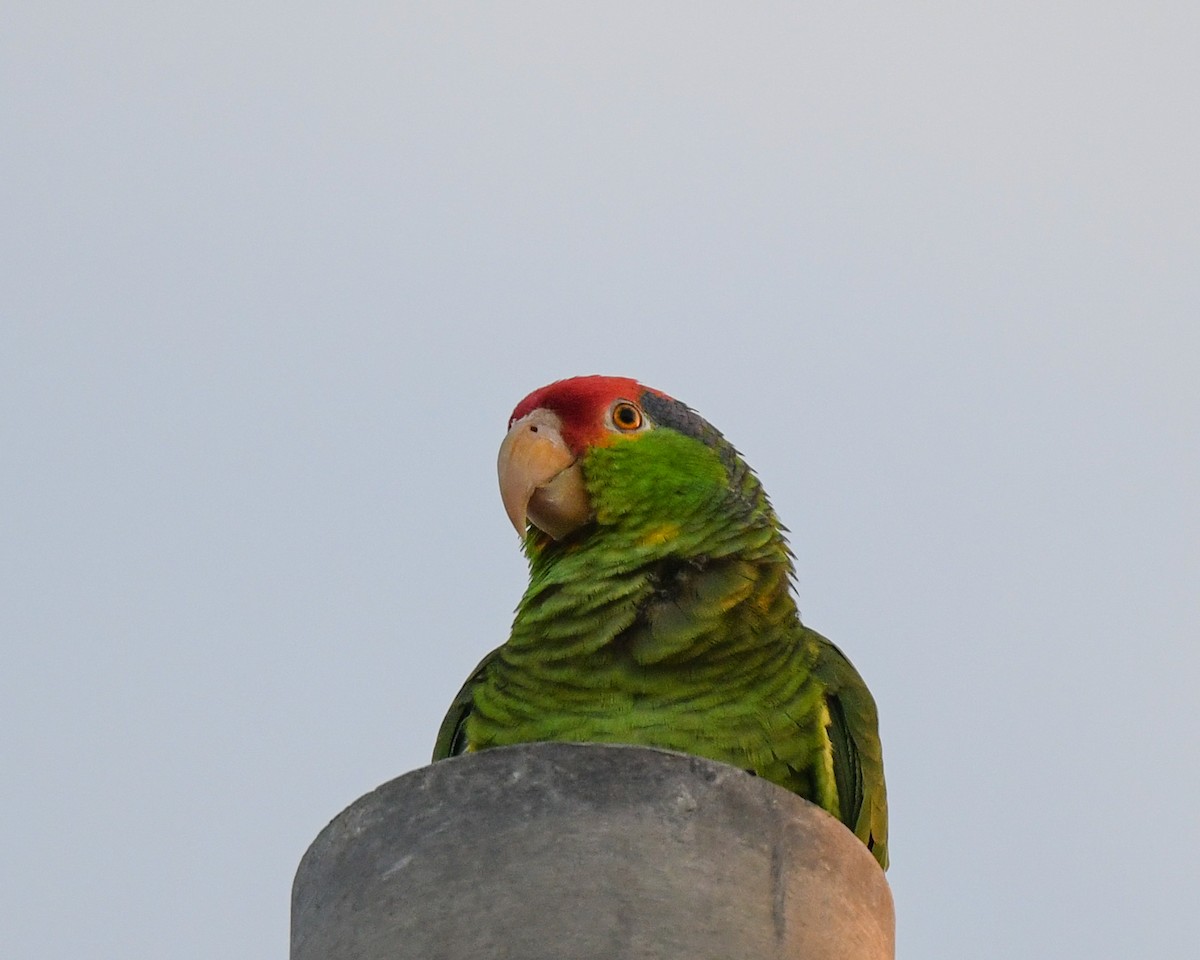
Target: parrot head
x,y
607,453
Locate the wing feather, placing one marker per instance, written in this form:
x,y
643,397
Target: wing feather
x,y
857,752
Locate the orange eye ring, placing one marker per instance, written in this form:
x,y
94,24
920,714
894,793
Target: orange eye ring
x,y
625,416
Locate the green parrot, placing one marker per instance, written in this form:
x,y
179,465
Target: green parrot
x,y
659,610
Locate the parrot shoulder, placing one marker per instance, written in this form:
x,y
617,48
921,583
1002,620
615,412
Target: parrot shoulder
x,y
452,735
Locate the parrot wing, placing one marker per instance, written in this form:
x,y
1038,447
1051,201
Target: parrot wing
x,y
857,753
452,738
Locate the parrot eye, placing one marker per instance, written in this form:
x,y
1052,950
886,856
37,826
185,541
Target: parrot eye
x,y
625,416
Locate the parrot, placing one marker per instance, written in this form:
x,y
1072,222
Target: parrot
x,y
659,610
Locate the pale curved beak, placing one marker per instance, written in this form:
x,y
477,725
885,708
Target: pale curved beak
x,y
540,482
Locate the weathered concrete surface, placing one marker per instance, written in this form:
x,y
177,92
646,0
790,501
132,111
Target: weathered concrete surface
x,y
557,851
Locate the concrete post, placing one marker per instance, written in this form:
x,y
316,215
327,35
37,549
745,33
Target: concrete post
x,y
556,851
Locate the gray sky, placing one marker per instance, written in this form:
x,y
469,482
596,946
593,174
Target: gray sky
x,y
274,275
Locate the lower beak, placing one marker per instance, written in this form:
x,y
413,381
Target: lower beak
x,y
540,480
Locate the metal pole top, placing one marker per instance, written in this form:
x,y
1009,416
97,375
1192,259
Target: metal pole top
x,y
557,851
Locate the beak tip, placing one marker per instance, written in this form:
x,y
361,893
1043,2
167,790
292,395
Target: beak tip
x,y
516,510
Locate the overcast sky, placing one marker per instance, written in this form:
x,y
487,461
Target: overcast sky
x,y
274,275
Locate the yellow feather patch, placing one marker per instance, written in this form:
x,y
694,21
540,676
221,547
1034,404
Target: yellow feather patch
x,y
763,602
663,533
827,782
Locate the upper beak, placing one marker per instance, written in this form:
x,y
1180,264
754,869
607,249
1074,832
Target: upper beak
x,y
540,480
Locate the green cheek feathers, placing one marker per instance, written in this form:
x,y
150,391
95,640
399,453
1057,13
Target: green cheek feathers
x,y
654,482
